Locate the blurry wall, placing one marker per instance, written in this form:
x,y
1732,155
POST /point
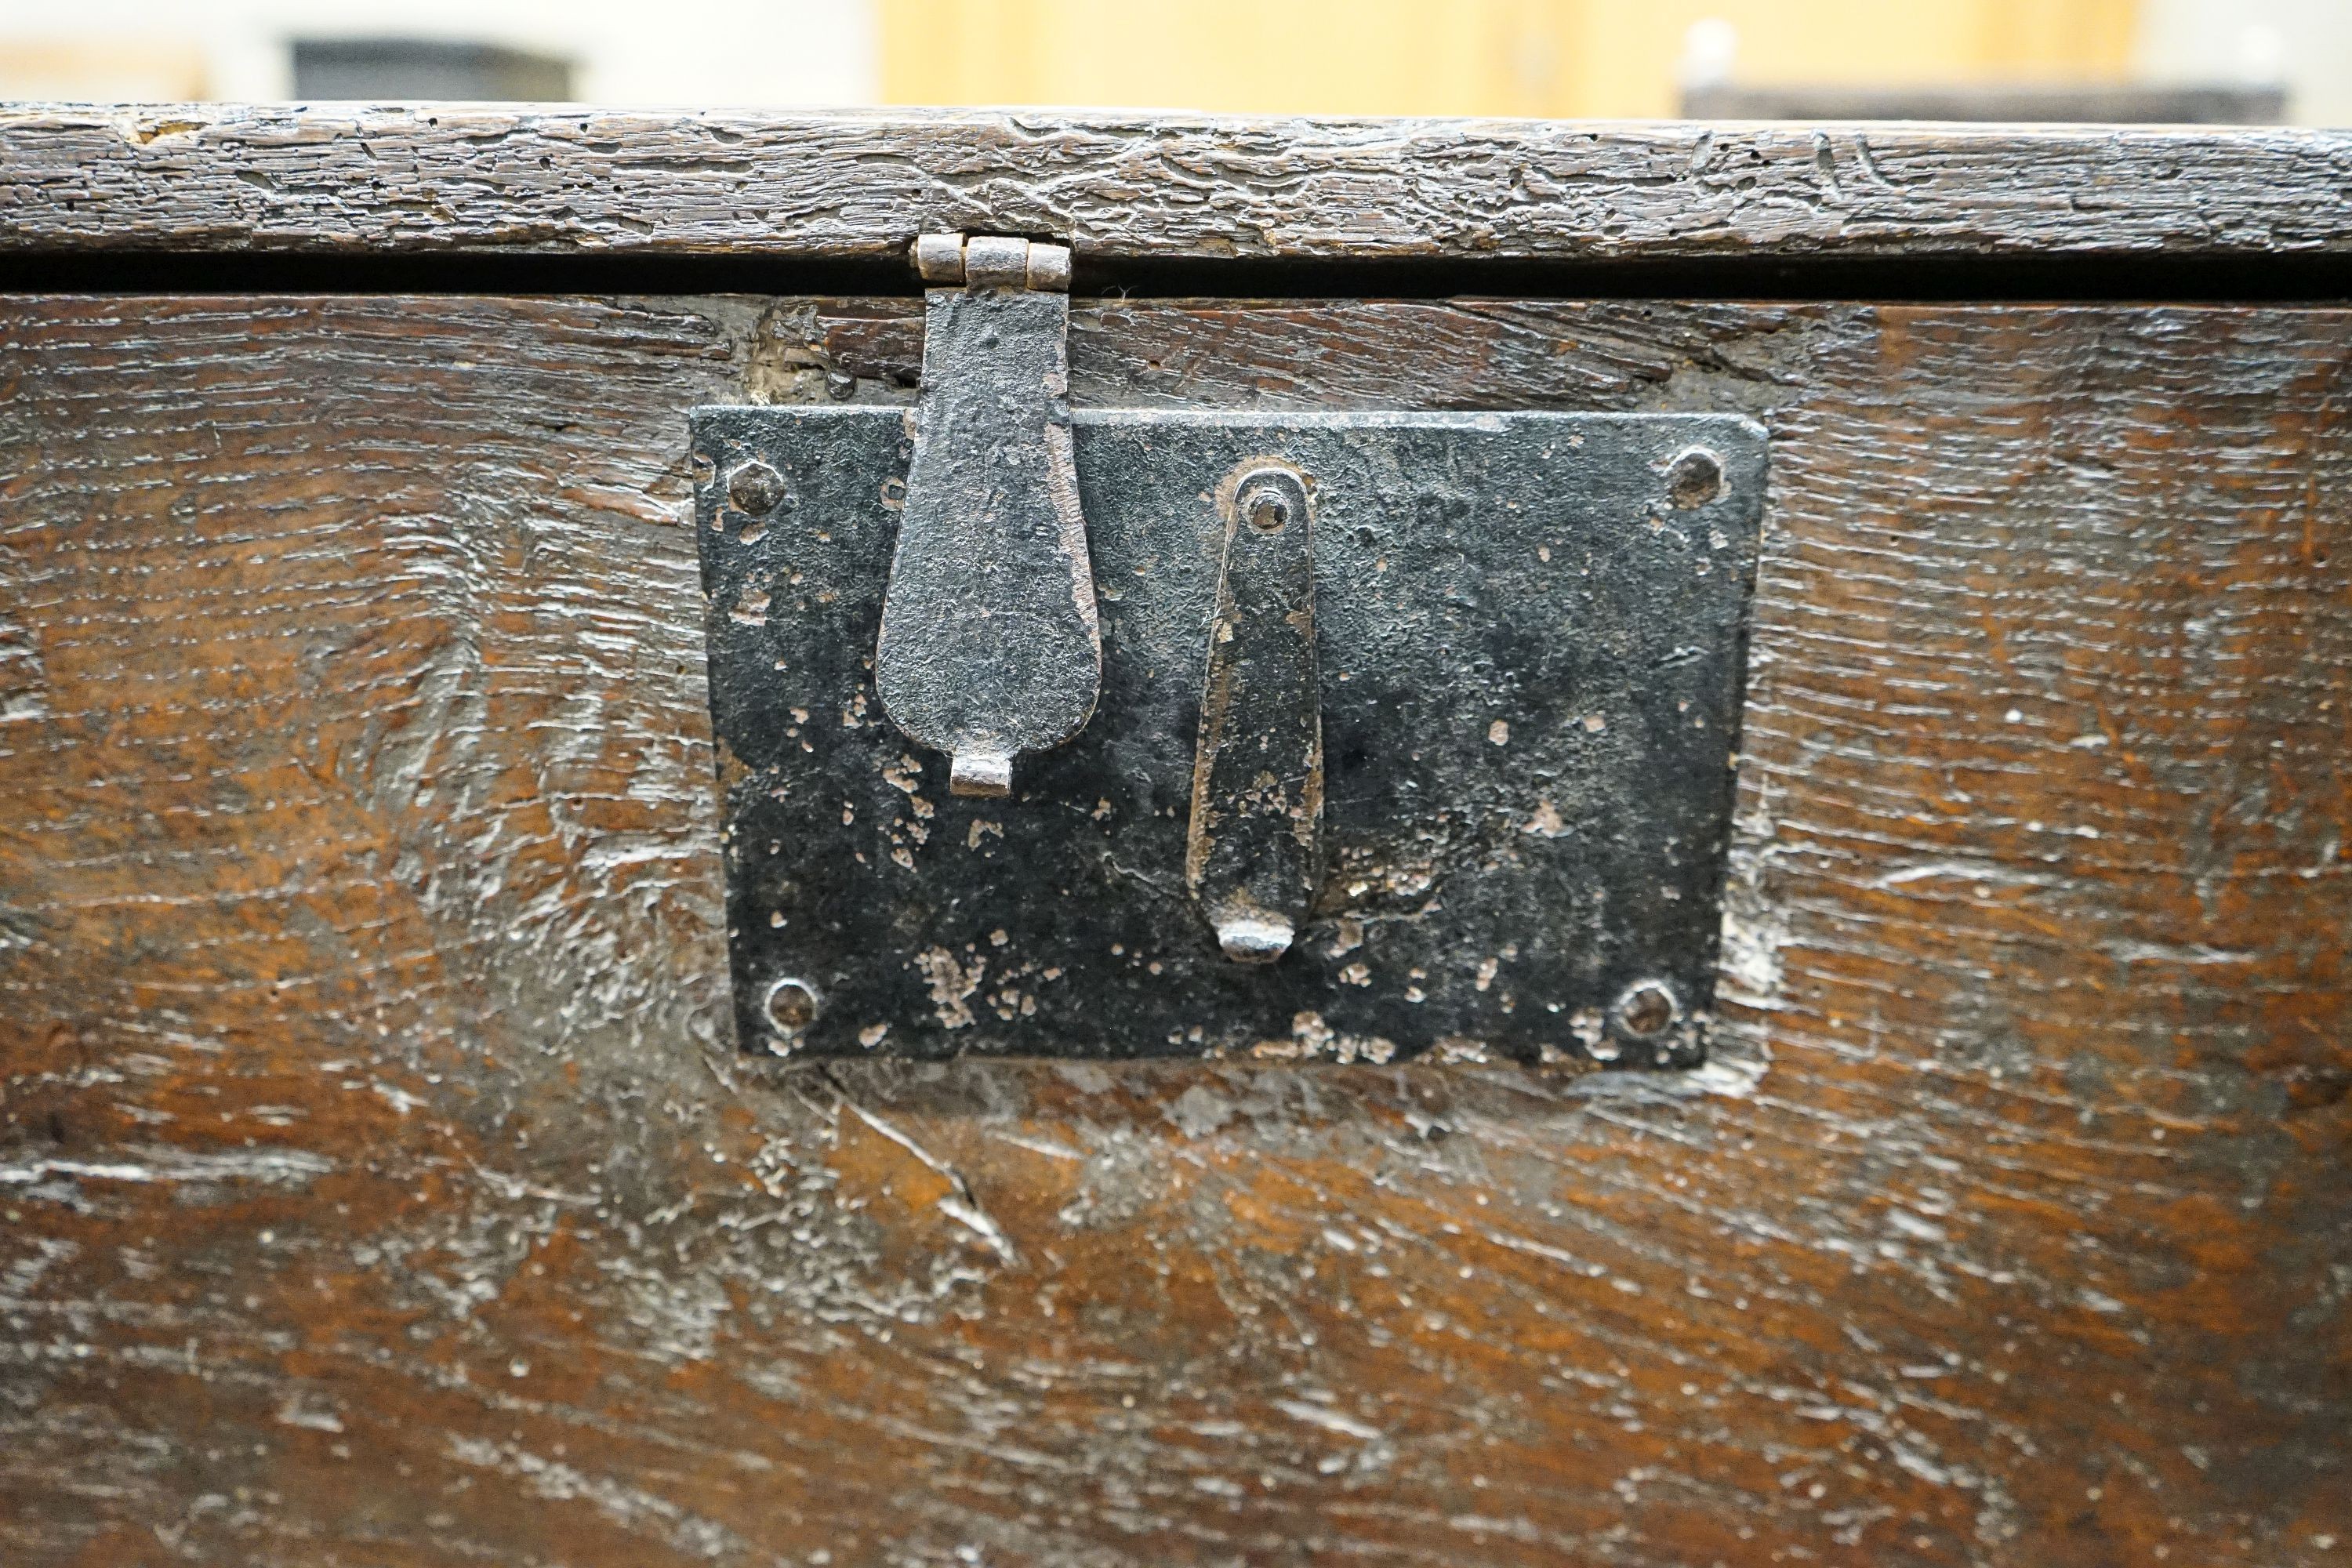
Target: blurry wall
x,y
2305,44
58,62
1558,58
747,53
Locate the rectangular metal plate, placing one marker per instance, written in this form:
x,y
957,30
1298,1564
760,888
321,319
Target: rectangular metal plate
x,y
1531,629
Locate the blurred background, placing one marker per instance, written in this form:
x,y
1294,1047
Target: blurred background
x,y
2208,60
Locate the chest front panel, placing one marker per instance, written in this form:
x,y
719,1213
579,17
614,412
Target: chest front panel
x,y
382,1179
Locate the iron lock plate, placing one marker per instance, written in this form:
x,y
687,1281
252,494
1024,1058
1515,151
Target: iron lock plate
x,y
1530,632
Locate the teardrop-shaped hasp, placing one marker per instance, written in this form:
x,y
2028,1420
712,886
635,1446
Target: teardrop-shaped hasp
x,y
990,645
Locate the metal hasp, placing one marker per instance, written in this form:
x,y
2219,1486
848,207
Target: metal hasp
x,y
989,647
1523,685
1252,855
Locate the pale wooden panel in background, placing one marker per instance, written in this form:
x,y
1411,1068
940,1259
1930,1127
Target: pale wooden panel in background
x,y
1549,57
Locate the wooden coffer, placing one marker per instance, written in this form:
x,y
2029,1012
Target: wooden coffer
x,y
385,1182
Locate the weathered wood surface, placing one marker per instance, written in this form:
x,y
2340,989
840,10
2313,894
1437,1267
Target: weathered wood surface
x,y
350,179
379,1187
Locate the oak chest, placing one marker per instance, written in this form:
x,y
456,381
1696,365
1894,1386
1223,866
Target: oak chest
x,y
398,1168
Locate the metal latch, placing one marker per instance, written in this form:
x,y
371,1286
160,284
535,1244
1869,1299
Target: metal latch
x,y
1253,851
989,647
1356,736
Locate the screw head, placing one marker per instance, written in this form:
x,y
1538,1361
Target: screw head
x,y
755,488
1646,1009
1693,479
792,1008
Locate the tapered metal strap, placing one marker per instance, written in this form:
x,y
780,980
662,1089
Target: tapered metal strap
x,y
990,647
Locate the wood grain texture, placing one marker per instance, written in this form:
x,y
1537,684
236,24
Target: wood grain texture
x,y
380,1187
213,177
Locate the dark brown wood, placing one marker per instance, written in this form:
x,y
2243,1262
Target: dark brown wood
x,y
380,1187
437,178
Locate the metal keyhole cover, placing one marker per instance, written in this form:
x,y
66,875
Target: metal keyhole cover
x,y
1253,846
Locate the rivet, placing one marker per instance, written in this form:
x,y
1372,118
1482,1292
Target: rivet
x,y
792,1008
1267,512
1645,1009
1694,479
755,488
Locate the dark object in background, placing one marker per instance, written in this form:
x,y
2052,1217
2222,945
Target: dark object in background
x,y
426,67
2112,103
